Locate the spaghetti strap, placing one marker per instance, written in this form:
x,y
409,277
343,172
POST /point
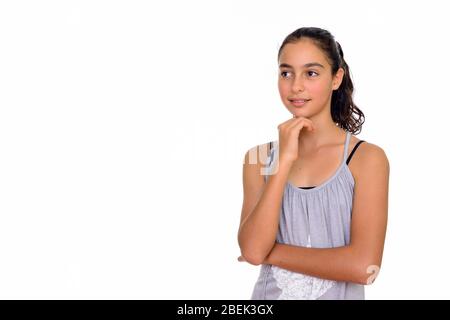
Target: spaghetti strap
x,y
347,142
353,151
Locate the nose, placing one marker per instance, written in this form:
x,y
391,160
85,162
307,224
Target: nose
x,y
298,85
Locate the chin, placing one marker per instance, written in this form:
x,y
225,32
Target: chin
x,y
299,113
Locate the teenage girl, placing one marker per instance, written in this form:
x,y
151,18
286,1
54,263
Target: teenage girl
x,y
314,221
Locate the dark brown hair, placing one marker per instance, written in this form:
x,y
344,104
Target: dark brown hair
x,y
344,112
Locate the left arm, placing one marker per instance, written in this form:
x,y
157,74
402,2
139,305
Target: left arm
x,y
359,261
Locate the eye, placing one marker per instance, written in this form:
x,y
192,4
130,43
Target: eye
x,y
283,72
309,72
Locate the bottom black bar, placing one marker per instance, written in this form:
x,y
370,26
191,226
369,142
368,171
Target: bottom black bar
x,y
217,309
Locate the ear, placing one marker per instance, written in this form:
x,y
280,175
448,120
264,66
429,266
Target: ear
x,y
337,80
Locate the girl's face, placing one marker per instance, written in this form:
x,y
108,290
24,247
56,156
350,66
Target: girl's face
x,y
304,73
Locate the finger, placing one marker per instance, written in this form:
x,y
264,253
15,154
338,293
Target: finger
x,y
301,122
308,124
290,123
293,122
285,123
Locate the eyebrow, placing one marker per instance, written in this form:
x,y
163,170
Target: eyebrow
x,y
307,65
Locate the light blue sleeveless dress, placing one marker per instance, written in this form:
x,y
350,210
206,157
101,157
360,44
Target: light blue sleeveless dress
x,y
320,218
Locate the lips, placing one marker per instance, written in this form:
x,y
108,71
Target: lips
x,y
299,102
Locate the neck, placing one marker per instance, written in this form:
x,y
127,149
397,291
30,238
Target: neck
x,y
326,132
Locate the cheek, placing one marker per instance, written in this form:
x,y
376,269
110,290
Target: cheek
x,y
283,88
319,89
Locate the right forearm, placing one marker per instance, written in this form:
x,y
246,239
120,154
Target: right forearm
x,y
257,233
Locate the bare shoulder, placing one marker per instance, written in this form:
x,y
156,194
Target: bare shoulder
x,y
369,159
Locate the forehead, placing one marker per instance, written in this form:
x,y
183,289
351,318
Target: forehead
x,y
302,52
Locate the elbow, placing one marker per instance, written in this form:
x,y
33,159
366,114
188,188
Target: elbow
x,y
256,261
365,265
251,254
252,257
366,273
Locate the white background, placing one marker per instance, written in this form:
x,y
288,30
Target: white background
x,y
123,126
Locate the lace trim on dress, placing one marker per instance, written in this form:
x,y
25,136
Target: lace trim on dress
x,y
298,286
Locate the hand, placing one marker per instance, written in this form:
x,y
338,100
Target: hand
x,y
289,132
